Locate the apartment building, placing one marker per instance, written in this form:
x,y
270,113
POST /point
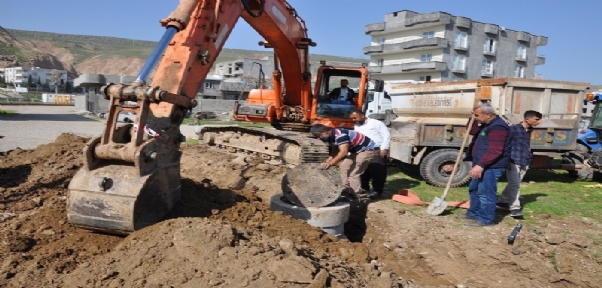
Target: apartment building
x,y
438,46
20,75
242,75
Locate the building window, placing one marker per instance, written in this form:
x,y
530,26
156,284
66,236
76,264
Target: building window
x,y
428,34
380,62
519,71
425,78
487,67
521,51
489,45
461,40
208,85
459,62
426,57
380,41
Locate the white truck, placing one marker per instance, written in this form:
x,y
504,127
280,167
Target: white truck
x,y
428,120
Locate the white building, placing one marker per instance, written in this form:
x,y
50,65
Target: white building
x,y
20,75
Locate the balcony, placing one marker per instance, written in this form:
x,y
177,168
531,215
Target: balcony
x,y
523,36
459,70
540,60
463,22
487,73
541,40
491,29
425,43
374,27
461,46
489,52
521,58
373,49
409,67
428,18
418,44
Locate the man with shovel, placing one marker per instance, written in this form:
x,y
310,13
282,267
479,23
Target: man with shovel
x,y
489,152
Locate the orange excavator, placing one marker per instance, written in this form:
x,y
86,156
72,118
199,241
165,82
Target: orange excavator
x,y
131,173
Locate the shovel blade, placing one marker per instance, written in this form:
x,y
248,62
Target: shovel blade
x,y
436,207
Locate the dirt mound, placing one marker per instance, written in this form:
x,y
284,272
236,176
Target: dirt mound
x,y
37,242
223,234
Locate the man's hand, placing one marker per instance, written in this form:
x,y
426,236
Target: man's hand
x,y
324,165
476,172
383,153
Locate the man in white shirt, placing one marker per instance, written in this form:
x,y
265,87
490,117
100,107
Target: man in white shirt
x,y
377,170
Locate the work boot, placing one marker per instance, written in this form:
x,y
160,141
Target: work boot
x,y
464,216
475,223
374,195
516,214
363,191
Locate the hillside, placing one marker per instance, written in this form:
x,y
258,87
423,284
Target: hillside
x,y
22,52
80,54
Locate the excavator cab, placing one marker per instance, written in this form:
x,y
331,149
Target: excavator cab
x,y
337,91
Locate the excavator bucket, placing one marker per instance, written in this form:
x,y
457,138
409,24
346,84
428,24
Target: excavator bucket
x,y
115,198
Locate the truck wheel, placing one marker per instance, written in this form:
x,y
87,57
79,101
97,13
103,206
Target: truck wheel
x,y
583,174
434,168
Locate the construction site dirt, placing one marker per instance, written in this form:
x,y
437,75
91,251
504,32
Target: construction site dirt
x,y
223,234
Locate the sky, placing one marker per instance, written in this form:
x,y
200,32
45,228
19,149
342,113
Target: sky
x,y
337,26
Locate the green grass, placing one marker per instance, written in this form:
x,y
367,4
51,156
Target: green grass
x,y
552,192
8,113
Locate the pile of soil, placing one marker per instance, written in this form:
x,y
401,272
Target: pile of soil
x,y
223,234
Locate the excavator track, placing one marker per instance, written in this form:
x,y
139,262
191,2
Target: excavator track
x,y
285,147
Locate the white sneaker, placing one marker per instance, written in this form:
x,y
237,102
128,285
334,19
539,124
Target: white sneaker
x,y
516,214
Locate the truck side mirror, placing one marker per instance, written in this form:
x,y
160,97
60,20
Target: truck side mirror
x,y
379,85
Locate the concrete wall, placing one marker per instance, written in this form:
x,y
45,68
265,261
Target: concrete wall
x,y
80,102
220,107
95,103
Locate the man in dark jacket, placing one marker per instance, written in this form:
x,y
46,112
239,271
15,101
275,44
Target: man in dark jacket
x,y
489,152
343,94
520,158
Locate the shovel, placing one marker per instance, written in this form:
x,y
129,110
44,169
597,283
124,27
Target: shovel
x,y
438,205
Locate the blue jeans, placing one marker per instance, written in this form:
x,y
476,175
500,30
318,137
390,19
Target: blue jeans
x,y
483,195
337,101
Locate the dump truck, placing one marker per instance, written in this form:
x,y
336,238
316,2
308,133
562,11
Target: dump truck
x,y
431,120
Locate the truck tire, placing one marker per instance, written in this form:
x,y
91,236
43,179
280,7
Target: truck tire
x,y
583,174
432,168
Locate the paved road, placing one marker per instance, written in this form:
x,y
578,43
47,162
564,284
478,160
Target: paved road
x,y
36,125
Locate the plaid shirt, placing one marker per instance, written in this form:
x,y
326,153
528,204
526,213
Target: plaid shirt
x,y
521,145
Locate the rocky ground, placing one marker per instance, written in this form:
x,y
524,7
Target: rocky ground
x,y
223,234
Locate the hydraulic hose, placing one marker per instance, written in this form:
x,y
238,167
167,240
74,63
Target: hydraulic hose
x,y
245,3
156,54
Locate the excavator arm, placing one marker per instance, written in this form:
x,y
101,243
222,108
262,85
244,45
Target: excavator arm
x,y
131,174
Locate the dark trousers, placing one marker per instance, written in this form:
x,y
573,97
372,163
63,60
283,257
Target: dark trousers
x,y
377,172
